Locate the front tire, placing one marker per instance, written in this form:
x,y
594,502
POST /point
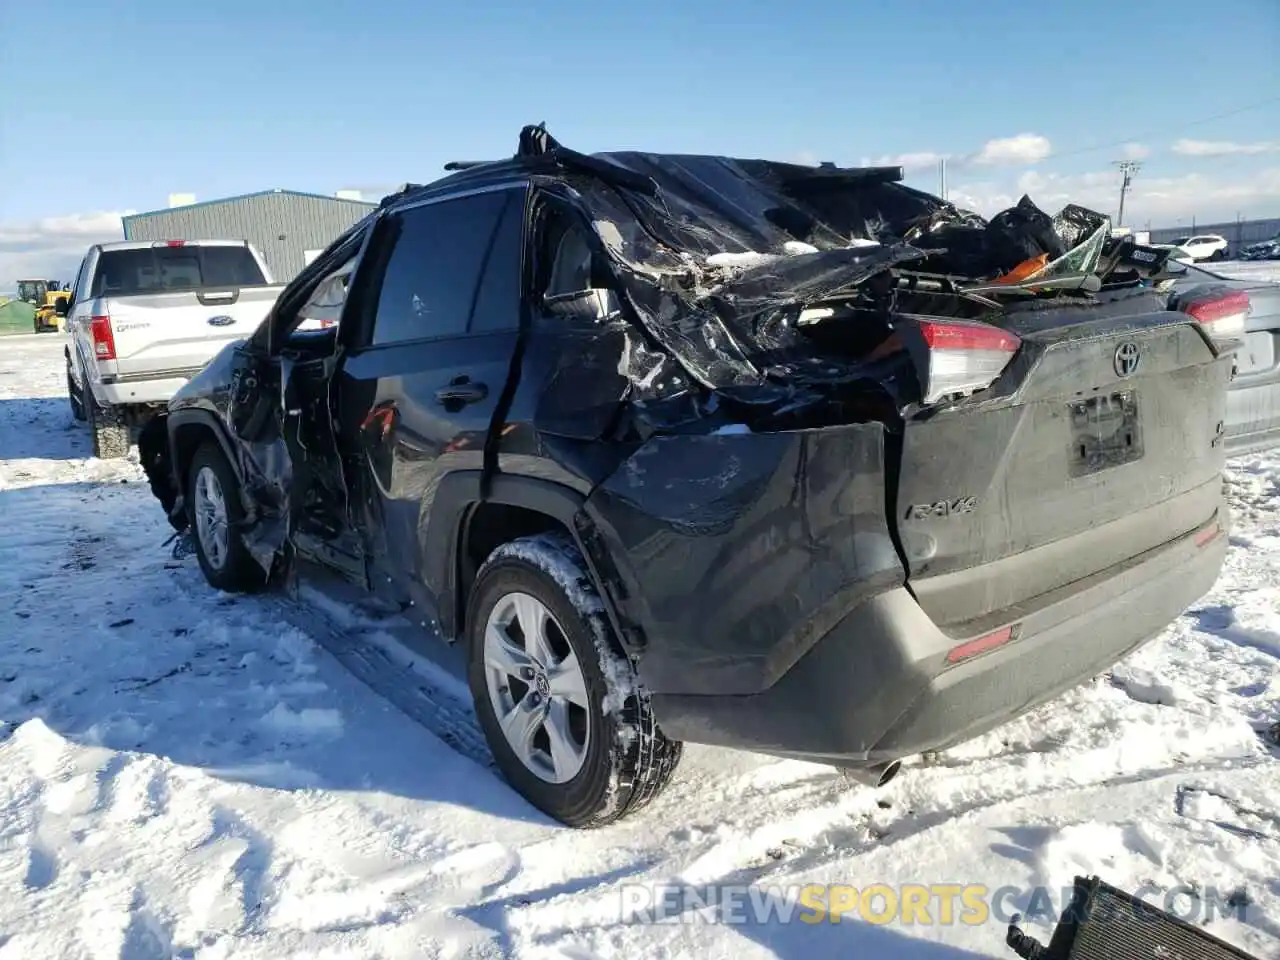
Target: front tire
x,y
569,725
216,516
109,432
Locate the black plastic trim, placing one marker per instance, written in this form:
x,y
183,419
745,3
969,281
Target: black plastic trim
x,y
195,417
460,492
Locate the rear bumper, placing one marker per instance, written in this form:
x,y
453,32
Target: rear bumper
x,y
123,391
840,705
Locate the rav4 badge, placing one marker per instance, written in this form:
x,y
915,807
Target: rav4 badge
x,y
941,509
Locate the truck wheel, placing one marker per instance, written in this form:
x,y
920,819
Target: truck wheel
x,y
216,515
560,706
109,432
74,396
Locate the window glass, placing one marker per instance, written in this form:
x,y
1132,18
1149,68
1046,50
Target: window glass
x,y
498,303
81,286
432,272
324,307
125,273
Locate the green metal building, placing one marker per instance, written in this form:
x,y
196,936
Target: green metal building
x,y
287,226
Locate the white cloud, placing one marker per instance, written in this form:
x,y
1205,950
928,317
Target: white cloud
x,y
909,161
1024,148
1020,150
1222,148
52,247
1135,151
1162,200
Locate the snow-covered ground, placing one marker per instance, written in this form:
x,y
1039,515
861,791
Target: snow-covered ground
x,y
187,774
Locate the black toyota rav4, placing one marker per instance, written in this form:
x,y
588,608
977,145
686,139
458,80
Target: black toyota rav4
x,y
789,459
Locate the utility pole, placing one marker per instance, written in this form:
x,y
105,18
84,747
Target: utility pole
x,y
942,177
1127,169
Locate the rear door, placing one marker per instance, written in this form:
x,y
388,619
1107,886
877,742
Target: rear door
x,y
1102,439
430,328
173,305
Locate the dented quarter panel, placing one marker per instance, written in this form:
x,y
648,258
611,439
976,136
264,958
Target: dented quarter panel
x,y
736,553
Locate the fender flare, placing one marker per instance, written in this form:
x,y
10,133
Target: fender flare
x,y
196,417
458,493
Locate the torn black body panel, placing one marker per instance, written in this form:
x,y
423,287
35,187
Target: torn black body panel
x,y
736,553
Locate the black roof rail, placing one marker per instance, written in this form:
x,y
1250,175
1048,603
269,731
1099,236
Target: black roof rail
x,y
397,194
454,165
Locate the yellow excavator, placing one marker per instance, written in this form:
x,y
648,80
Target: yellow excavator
x,y
43,294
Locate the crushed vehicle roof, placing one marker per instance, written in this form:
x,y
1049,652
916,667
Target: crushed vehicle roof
x,y
718,255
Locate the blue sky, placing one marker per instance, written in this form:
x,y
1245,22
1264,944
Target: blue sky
x,y
230,96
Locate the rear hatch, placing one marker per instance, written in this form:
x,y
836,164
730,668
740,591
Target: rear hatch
x,y
174,305
1101,439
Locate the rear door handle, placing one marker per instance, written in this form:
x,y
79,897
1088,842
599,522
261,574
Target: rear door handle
x,y
460,392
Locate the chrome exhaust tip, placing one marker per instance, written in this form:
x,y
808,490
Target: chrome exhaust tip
x,y
873,776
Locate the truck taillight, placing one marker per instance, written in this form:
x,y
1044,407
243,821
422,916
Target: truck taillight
x,y
170,243
960,356
104,342
1222,315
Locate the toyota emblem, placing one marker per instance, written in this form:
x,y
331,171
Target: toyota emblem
x,y
1126,359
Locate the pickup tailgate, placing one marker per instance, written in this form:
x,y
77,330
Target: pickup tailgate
x,y
160,335
1075,462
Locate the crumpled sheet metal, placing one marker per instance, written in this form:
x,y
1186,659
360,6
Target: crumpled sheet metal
x,y
718,259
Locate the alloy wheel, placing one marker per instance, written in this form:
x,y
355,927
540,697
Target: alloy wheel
x,y
537,688
210,510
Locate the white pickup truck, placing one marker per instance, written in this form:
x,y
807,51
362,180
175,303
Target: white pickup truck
x,y
144,317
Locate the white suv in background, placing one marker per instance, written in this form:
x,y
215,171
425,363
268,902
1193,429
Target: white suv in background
x,y
1203,246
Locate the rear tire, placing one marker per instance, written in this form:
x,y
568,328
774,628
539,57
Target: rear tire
x,y
590,752
107,428
74,397
216,516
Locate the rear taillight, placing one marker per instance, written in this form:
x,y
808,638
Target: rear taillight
x,y
1222,315
170,243
960,356
104,342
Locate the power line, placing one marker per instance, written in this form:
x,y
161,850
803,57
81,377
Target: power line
x,y
1165,130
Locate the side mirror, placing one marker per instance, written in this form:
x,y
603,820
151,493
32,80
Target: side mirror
x,y
62,306
594,305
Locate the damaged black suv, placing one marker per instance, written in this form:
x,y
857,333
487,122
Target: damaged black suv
x,y
788,459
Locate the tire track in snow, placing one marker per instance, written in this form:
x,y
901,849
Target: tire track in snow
x,y
362,650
